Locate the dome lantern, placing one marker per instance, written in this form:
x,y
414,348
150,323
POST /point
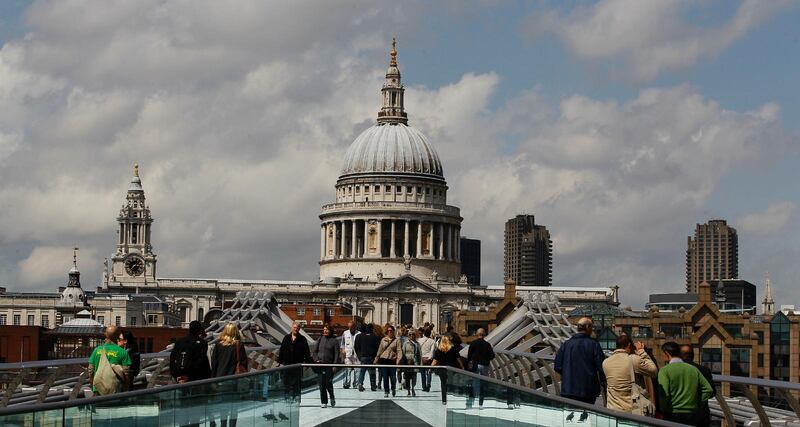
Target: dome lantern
x,y
392,112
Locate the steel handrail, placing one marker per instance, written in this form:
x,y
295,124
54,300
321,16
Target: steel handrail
x,y
85,360
129,394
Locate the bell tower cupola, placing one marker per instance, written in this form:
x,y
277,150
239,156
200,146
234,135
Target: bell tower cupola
x,y
134,262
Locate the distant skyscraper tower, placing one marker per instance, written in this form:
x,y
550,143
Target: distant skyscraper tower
x,y
528,252
471,260
712,254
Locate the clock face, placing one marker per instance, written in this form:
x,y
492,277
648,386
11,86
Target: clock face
x,y
134,266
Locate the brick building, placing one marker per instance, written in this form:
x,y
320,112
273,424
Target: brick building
x,y
765,346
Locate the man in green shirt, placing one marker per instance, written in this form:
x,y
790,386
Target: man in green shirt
x,y
116,355
681,388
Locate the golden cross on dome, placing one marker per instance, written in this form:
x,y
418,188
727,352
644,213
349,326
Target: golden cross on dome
x,y
135,169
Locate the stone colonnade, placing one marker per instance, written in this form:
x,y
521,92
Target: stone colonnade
x,y
389,238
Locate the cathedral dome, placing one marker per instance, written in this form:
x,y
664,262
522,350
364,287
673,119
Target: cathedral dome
x,y
392,148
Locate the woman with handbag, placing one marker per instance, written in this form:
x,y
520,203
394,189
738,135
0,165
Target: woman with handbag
x,y
389,353
228,358
623,392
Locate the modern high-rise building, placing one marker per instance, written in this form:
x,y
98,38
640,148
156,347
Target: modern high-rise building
x,y
528,252
471,260
712,254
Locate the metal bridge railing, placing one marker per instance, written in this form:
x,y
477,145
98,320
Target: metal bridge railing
x,y
43,381
739,400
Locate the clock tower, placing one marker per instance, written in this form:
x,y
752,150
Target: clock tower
x,y
134,263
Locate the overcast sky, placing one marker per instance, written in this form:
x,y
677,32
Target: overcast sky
x,y
619,124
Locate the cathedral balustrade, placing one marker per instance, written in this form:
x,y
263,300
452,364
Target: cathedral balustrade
x,y
381,205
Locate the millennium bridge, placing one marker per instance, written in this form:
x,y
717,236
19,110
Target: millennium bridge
x,y
522,388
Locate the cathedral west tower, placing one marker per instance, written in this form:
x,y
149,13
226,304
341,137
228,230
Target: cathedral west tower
x,y
134,263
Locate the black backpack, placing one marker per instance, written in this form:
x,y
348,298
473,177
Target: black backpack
x,y
186,358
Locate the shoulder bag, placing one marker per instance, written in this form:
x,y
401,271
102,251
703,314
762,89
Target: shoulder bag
x,y
240,369
640,404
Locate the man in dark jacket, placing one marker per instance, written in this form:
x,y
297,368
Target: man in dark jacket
x,y
189,358
294,349
479,355
366,347
579,361
687,354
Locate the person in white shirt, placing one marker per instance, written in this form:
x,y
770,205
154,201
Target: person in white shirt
x,y
427,346
349,353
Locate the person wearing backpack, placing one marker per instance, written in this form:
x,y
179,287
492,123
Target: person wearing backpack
x,y
109,365
189,358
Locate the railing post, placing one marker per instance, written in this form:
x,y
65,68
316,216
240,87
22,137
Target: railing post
x,y
762,415
790,399
726,411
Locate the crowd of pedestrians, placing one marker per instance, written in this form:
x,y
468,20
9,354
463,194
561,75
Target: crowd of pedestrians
x,y
682,388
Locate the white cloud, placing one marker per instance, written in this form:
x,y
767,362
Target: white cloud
x,y
50,264
769,221
649,36
240,118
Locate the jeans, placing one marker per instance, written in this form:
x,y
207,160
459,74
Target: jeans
x,y
476,383
325,384
388,375
363,371
443,380
410,378
350,373
426,378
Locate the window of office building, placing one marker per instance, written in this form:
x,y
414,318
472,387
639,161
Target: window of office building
x,y
17,319
735,331
101,320
118,321
31,320
740,362
45,321
607,339
317,311
331,311
672,331
152,319
779,347
3,319
133,321
301,311
712,359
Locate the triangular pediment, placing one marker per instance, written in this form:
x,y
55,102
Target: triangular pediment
x,y
407,283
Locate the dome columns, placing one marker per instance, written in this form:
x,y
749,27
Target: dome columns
x,y
344,239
